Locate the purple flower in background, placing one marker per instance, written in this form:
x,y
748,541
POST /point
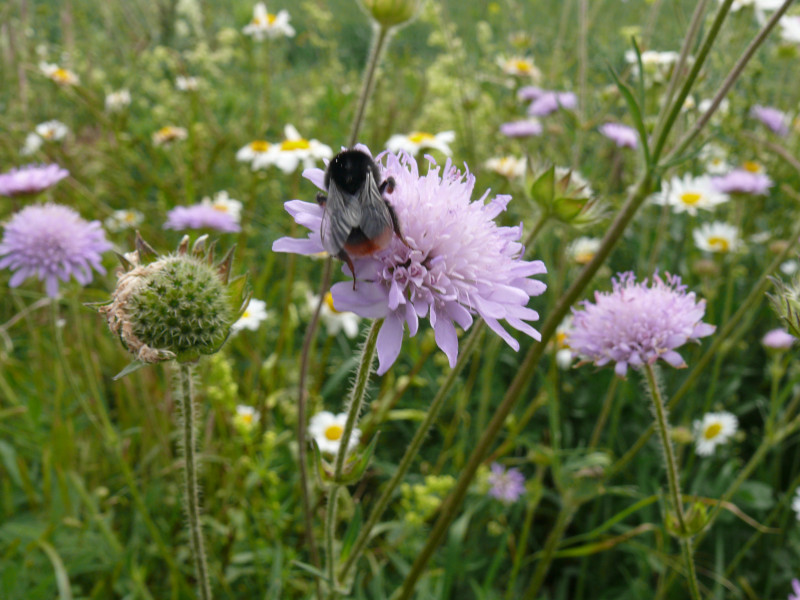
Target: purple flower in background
x,y
778,339
622,135
518,129
796,589
30,179
742,181
52,242
530,92
507,485
636,324
458,261
773,118
549,102
201,216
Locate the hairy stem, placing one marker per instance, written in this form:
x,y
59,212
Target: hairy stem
x,y
379,41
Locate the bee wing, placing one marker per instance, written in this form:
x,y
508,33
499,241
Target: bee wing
x,y
340,217
375,216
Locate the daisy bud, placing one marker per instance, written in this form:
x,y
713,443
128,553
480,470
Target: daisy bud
x,y
178,306
391,13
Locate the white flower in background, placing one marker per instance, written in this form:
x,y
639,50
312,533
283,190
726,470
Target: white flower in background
x,y
252,317
577,182
507,166
657,65
327,429
714,429
246,418
225,204
118,101
52,131
520,66
187,84
124,219
583,249
294,151
722,110
790,29
715,159
563,351
717,237
417,140
756,4
169,134
334,320
58,74
257,149
796,503
266,25
752,166
790,267
32,144
688,194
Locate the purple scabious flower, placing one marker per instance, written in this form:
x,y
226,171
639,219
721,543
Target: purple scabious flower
x,y
30,179
778,339
530,92
507,485
458,261
636,324
201,216
622,135
742,181
549,102
520,129
52,242
774,119
796,590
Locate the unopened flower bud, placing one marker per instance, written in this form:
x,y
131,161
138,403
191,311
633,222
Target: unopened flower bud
x,y
391,13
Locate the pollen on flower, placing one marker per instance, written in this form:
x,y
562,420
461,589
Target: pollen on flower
x,y
420,136
691,198
712,431
334,432
752,166
301,144
718,243
259,146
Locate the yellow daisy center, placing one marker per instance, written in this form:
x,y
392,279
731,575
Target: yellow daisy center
x,y
300,144
246,418
129,217
329,302
419,137
245,314
584,257
259,146
712,431
752,166
561,339
166,132
269,20
334,432
690,198
522,66
220,208
62,75
48,134
720,243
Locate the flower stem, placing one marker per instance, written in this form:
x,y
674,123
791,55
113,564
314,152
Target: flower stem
x,y
190,482
380,39
555,536
672,477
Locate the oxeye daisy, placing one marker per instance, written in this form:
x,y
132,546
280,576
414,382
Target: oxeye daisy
x,y
52,131
258,153
715,158
252,317
416,141
717,237
456,261
519,66
126,218
53,243
637,323
58,74
187,84
169,134
335,320
774,119
266,25
294,151
118,101
583,249
30,179
33,142
507,166
796,509
790,32
246,418
714,429
327,429
688,194
506,485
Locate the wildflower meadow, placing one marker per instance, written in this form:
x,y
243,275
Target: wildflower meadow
x,y
394,299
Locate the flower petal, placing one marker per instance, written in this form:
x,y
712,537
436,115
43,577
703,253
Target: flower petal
x,y
389,342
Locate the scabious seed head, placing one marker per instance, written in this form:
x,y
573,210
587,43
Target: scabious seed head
x,y
178,306
391,13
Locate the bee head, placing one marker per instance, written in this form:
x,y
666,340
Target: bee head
x,y
349,169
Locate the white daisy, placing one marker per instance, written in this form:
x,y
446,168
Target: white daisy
x,y
507,166
334,320
754,167
52,131
246,418
124,219
576,184
255,314
118,101
327,429
714,429
32,144
717,237
563,351
267,25
583,249
257,149
790,29
688,194
790,267
715,159
657,65
520,66
796,503
222,202
293,151
169,134
417,140
58,74
187,84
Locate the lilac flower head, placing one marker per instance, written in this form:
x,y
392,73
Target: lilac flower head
x,y
796,590
636,324
458,261
778,339
774,119
52,242
507,485
622,135
200,216
518,129
549,102
530,92
30,179
742,181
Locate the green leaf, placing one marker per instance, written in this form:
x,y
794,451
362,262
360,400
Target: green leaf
x,y
755,495
358,463
9,457
134,366
353,529
636,112
544,188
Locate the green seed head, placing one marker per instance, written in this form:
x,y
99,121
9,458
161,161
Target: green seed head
x,y
391,13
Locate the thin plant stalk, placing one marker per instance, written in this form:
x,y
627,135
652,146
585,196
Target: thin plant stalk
x,y
522,545
191,486
673,479
380,40
563,519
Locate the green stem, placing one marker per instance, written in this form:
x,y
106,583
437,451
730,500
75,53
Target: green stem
x,y
380,39
413,449
191,489
604,412
555,536
672,477
522,545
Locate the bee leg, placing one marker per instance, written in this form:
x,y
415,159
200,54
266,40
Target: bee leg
x,y
395,222
346,258
387,185
321,199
